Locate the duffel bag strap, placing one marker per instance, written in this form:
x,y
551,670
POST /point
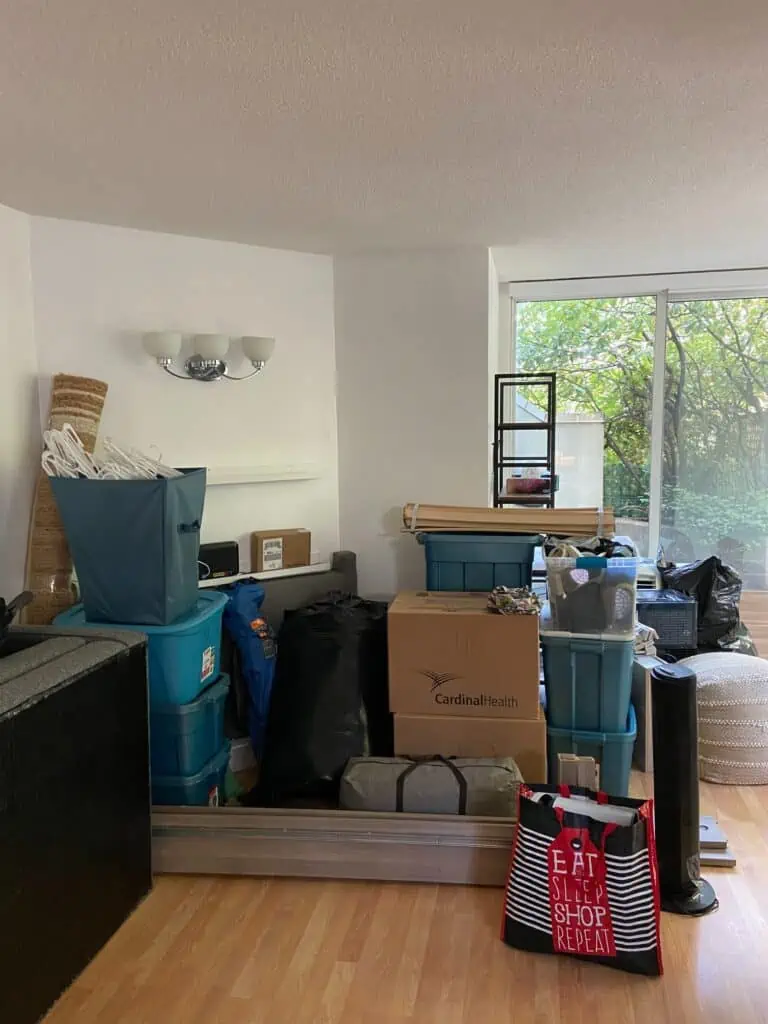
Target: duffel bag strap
x,y
430,758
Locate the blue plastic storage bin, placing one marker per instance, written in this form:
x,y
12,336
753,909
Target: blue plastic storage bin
x,y
203,789
588,680
184,737
478,561
183,658
612,751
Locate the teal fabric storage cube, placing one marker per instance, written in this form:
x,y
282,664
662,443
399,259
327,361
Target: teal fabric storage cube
x,y
134,544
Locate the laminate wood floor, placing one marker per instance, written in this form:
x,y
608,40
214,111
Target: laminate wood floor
x,y
252,951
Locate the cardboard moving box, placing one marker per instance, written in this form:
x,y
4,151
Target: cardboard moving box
x,y
450,655
524,741
279,549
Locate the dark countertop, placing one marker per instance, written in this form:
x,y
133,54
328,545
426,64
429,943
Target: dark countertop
x,y
62,655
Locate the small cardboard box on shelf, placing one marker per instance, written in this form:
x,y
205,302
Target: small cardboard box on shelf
x,y
279,549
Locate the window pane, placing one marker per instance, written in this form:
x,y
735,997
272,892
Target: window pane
x,y
715,472
602,352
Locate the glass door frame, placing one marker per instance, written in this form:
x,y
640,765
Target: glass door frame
x,y
667,289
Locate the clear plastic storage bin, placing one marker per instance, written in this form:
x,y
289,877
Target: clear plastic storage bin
x,y
592,594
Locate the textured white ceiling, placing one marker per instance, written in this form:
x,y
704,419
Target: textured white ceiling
x,y
339,124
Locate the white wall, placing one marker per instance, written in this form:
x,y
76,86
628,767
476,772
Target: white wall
x,y
19,411
669,244
412,333
97,288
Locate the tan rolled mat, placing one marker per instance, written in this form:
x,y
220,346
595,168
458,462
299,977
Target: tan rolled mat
x,y
561,522
79,401
482,786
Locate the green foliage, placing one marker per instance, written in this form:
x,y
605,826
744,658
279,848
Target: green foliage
x,y
716,387
710,518
602,350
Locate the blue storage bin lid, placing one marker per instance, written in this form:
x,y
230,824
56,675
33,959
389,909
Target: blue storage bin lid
x,y
593,562
213,692
216,764
496,538
208,603
601,737
556,636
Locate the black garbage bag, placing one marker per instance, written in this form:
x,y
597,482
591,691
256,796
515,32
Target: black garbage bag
x,y
329,699
9,611
739,641
717,589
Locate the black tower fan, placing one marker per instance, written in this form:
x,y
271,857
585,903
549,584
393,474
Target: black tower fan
x,y
676,791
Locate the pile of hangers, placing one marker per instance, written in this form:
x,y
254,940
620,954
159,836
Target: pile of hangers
x,y
64,455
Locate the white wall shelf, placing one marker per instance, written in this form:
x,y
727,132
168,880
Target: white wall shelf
x,y
276,574
229,476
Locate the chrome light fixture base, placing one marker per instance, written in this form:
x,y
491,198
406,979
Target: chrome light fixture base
x,y
205,369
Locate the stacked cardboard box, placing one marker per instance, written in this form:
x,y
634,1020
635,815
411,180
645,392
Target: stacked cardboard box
x,y
464,681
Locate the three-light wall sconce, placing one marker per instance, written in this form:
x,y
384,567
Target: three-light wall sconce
x,y
207,362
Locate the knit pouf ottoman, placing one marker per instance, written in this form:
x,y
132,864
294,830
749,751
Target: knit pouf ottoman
x,y
732,695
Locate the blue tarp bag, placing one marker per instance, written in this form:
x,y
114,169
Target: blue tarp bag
x,y
257,651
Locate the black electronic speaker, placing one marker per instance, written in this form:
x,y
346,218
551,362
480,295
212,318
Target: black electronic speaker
x,y
218,560
676,791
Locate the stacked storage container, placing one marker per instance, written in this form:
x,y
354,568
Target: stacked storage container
x,y
478,561
187,691
464,681
675,618
587,641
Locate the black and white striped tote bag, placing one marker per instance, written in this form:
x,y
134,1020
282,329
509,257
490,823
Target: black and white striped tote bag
x,y
584,887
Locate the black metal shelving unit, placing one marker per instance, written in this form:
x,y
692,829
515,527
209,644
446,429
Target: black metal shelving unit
x,y
505,398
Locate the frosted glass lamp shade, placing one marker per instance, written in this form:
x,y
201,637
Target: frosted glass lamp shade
x,y
258,350
210,346
162,344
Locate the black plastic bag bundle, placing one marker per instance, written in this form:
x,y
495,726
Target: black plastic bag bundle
x,y
717,588
10,610
329,699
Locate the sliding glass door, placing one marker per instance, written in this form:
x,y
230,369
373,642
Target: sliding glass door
x,y
715,471
662,413
602,350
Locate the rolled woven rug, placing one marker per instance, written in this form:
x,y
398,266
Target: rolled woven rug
x,y
79,401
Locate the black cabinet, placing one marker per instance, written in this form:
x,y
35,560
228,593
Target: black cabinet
x,y
75,839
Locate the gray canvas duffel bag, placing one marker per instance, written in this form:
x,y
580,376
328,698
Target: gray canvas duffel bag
x,y
483,786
